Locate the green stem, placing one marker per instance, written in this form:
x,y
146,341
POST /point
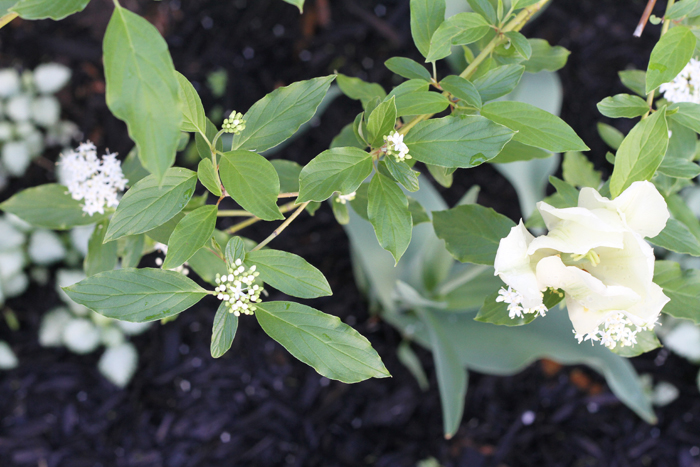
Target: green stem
x,y
279,229
664,30
233,212
242,225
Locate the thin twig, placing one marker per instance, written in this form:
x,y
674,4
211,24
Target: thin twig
x,y
645,18
279,229
242,225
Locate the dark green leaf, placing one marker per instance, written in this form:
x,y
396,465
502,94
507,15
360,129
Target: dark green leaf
x,y
202,146
402,173
289,273
360,90
498,81
408,68
388,212
419,103
339,169
442,175
223,331
515,151
411,86
381,122
579,171
190,234
460,29
497,312
340,210
426,17
634,80
418,214
42,9
568,193
462,89
209,177
235,249
682,287
545,57
288,173
132,250
100,256
678,168
688,115
346,138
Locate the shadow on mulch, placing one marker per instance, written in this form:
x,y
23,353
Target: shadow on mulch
x,y
256,405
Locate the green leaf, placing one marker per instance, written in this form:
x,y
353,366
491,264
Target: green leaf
x,y
340,210
568,193
147,205
497,312
190,234
646,342
669,56
683,8
193,116
132,168
346,138
426,17
634,80
520,43
403,174
442,175
331,347
418,214
297,3
289,273
408,68
518,4
472,232
579,171
223,331
545,57
142,89
460,29
515,151
485,9
202,146
235,249
42,9
610,135
409,87
137,295
677,237
388,212
678,168
277,116
360,90
451,375
251,180
682,287
535,126
100,256
209,177
419,103
381,122
640,153
623,106
49,206
457,141
688,115
207,265
339,169
462,89
410,360
288,173
132,250
499,81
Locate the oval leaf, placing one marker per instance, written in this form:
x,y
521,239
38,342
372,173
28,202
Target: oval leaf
x,y
408,68
289,273
193,116
223,331
235,249
42,9
388,212
338,169
460,29
426,17
322,341
190,234
499,81
623,106
100,256
209,177
670,55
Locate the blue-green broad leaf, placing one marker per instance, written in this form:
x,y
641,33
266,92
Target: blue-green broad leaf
x,y
462,89
381,122
142,88
460,29
426,17
545,57
149,204
137,295
623,106
677,237
49,206
331,347
499,81
457,141
388,212
485,9
209,177
43,9
640,153
131,250
289,273
669,56
100,256
360,90
409,359
277,116
472,232
252,181
297,3
338,169
190,234
193,116
223,331
535,127
408,68
418,103
682,287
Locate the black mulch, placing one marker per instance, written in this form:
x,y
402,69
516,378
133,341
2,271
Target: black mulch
x,y
258,406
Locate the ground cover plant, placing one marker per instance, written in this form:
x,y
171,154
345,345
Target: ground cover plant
x,y
390,212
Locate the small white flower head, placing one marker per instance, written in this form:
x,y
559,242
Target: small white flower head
x,y
515,304
342,199
686,86
396,147
616,329
238,289
95,181
234,123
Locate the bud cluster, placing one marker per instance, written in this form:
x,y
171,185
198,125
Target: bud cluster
x,y
238,290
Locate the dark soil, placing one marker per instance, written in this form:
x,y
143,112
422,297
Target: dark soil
x,y
258,406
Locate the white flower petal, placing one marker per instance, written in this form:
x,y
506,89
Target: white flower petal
x,y
50,77
516,268
647,311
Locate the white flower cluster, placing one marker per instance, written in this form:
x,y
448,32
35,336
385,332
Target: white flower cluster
x,y
94,180
596,253
237,289
396,147
234,123
515,304
616,329
686,86
342,199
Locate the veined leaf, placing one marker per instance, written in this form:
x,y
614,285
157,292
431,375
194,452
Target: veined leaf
x,y
100,256
223,331
515,151
462,89
42,9
669,56
388,212
190,234
235,249
289,273
498,81
209,177
288,173
149,204
381,122
520,44
545,57
426,17
682,287
623,105
418,103
677,237
322,341
460,29
137,295
339,169
194,117
142,89
360,90
688,115
408,68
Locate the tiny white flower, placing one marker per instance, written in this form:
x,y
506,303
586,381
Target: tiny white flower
x,y
342,199
396,147
686,86
236,289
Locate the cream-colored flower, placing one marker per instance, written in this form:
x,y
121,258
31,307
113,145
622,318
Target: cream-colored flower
x,y
596,254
